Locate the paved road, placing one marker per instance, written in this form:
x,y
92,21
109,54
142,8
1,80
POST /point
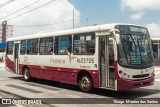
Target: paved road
x,y
47,89
7,96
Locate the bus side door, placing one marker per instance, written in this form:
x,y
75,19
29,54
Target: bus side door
x,y
16,57
107,69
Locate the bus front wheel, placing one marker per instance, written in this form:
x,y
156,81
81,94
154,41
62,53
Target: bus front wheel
x,y
26,74
85,83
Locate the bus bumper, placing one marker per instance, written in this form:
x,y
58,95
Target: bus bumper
x,y
123,84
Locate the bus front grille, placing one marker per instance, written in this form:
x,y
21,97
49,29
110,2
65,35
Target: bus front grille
x,y
140,76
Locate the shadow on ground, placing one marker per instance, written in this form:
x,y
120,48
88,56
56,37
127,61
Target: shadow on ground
x,y
129,94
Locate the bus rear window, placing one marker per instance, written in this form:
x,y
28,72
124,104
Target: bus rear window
x,y
10,48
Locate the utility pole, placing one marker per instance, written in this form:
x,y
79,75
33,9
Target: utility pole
x,y
4,26
73,18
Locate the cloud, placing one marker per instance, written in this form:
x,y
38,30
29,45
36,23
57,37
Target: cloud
x,y
140,6
57,11
137,16
154,30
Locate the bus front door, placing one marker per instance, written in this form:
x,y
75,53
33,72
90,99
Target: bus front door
x,y
106,56
16,60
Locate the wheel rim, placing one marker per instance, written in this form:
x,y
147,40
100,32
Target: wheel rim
x,y
85,84
26,74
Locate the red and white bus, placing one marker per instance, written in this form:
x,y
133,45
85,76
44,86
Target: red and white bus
x,y
110,56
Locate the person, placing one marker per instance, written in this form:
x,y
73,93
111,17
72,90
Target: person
x,y
69,50
130,49
51,51
76,51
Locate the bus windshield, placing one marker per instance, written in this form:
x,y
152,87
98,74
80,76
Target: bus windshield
x,y
135,49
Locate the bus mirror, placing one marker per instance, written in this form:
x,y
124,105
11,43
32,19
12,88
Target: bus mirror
x,y
116,32
117,36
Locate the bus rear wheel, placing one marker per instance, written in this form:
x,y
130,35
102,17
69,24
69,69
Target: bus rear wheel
x,y
85,83
26,74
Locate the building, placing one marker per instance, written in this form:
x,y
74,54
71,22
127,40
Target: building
x,y
156,50
0,34
9,32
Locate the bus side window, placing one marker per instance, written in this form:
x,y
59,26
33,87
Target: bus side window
x,y
32,47
23,47
63,45
84,44
46,46
10,48
56,45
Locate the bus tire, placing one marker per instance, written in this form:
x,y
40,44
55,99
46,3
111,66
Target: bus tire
x,y
85,83
26,74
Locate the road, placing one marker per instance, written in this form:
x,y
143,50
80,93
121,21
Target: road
x,y
68,93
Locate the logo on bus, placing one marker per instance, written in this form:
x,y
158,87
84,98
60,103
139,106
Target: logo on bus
x,y
60,61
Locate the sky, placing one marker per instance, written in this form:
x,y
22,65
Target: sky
x,y
58,15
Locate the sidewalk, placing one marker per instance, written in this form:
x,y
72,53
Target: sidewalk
x,y
2,64
157,69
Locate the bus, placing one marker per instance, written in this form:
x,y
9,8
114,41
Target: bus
x,y
109,56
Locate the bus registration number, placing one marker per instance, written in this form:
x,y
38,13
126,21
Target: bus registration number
x,y
85,60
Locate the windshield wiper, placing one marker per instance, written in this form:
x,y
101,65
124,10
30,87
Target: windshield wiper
x,y
133,41
137,47
130,34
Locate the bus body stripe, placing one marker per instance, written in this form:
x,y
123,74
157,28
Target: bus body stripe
x,y
10,64
64,75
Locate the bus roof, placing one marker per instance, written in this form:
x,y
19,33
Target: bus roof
x,y
95,28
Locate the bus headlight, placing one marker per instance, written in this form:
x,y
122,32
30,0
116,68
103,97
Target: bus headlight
x,y
120,72
123,74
